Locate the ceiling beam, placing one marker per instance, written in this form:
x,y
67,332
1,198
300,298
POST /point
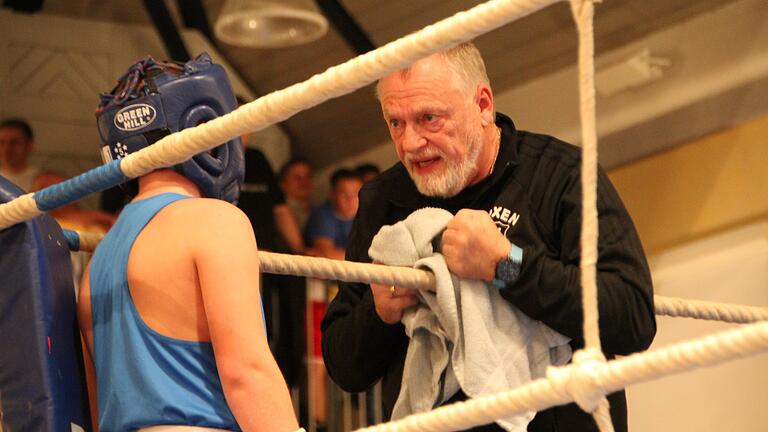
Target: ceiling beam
x,y
167,30
346,26
194,16
29,6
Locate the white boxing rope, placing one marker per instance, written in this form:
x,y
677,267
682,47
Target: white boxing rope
x,y
707,310
583,14
406,277
584,383
334,82
19,209
347,271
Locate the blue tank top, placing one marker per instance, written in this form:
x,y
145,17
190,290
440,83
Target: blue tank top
x,y
143,377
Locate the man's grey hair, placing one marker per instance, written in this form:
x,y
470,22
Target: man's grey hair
x,y
465,62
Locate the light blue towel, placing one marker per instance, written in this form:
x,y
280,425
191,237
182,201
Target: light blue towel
x,y
463,334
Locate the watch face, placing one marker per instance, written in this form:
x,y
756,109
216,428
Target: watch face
x,y
507,271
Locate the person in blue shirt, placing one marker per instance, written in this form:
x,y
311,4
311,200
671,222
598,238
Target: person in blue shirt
x,y
329,224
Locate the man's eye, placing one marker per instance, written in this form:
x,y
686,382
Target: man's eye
x,y
429,118
394,123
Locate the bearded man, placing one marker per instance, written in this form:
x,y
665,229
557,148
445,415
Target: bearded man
x,y
516,200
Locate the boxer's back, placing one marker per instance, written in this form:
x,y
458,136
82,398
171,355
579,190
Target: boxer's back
x,y
162,274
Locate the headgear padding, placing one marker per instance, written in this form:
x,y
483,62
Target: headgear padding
x,y
154,99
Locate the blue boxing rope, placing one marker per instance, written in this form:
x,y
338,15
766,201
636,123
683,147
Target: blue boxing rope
x,y
94,180
82,241
73,240
31,205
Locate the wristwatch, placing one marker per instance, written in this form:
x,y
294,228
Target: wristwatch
x,y
508,269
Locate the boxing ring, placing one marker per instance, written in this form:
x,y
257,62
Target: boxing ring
x,y
590,377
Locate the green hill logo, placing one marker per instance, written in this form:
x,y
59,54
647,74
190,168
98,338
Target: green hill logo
x,y
135,117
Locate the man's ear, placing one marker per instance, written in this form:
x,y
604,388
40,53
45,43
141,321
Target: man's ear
x,y
484,102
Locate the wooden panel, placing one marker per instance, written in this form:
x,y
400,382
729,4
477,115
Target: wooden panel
x,y
698,188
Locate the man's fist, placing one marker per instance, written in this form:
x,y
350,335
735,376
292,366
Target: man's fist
x,y
473,245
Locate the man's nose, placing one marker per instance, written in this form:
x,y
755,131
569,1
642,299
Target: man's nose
x,y
413,140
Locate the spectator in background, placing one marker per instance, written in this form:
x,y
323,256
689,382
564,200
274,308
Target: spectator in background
x,y
326,235
329,225
367,172
296,184
16,144
262,200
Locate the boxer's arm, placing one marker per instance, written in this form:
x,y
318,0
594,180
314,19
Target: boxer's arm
x,y
227,263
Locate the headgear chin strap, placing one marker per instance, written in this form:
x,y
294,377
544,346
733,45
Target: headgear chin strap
x,y
153,99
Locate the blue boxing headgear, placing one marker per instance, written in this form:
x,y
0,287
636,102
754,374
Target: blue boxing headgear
x,y
154,99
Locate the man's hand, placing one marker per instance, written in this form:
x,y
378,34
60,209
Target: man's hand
x,y
473,245
392,301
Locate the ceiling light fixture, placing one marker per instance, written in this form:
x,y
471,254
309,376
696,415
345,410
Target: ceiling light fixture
x,y
264,24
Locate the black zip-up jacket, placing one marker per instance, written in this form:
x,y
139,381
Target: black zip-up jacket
x,y
534,196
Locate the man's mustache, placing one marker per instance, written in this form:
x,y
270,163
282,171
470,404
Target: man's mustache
x,y
423,155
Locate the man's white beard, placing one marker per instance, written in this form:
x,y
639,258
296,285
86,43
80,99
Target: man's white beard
x,y
455,176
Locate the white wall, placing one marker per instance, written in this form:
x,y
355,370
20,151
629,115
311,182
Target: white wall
x,y
732,268
52,70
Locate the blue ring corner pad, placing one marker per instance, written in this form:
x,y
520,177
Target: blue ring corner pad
x,y
42,380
